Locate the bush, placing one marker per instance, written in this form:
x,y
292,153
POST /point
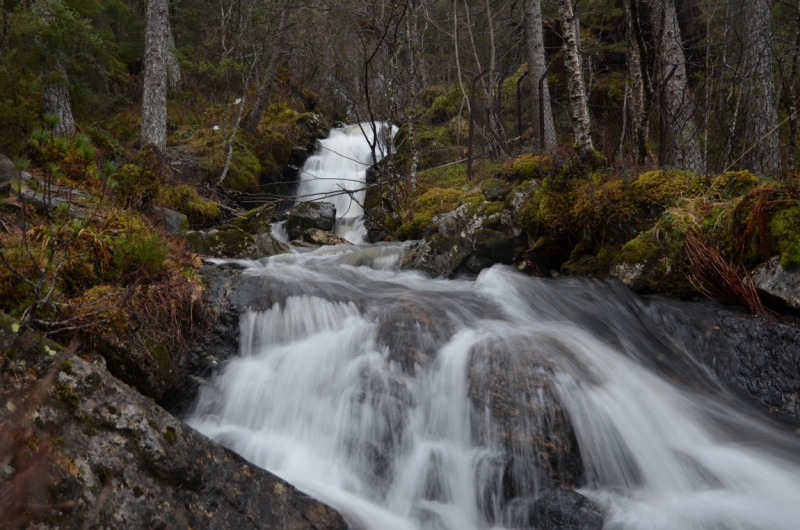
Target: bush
x,y
134,187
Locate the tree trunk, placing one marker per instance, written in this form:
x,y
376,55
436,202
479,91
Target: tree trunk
x,y
56,102
761,131
264,93
793,94
640,122
577,90
537,66
154,98
679,132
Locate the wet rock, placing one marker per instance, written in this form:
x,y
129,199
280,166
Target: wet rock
x,y
124,462
316,236
777,284
634,275
173,222
516,407
437,256
298,156
566,510
266,245
494,245
320,215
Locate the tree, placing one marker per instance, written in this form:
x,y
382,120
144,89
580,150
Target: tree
x,y
264,93
761,131
680,147
581,123
532,20
156,55
639,88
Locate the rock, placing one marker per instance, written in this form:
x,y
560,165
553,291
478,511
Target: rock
x,y
777,284
298,156
566,510
438,256
256,221
173,222
316,236
7,174
495,245
634,275
321,215
314,126
226,241
516,407
495,189
266,245
150,371
124,462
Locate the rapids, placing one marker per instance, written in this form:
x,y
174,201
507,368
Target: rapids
x,y
413,403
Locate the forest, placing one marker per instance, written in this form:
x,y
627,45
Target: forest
x,y
155,155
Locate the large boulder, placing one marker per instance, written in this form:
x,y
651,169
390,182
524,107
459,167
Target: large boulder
x,y
230,241
315,236
320,215
120,461
173,222
437,256
777,284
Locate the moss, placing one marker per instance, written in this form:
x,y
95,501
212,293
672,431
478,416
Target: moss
x,y
66,367
430,204
445,106
784,228
185,199
243,172
529,167
227,241
640,249
66,393
736,183
134,187
170,435
256,221
663,187
163,358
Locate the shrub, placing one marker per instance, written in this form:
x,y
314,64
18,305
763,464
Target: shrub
x,y
134,187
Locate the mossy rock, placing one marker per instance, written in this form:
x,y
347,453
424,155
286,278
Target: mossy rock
x,y
495,189
257,220
25,345
438,256
226,241
135,187
494,244
198,211
784,228
529,167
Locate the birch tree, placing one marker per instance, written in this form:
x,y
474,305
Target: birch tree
x,y
156,54
679,132
534,45
639,88
579,109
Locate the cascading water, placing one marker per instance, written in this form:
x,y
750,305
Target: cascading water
x,y
338,173
410,403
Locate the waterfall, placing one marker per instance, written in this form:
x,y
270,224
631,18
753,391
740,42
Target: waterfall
x,y
338,173
411,403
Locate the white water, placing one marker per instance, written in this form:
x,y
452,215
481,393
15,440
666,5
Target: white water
x,y
337,174
382,393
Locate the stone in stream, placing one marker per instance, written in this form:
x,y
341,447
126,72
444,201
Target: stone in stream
x,y
321,215
316,236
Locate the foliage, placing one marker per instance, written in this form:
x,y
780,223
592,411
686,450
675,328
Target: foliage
x,y
186,200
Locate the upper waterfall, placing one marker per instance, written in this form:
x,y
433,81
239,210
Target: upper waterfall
x,y
337,173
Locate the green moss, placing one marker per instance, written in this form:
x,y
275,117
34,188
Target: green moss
x,y
736,183
66,367
529,167
186,200
433,202
640,249
170,435
163,358
444,106
66,393
256,221
134,187
663,187
784,228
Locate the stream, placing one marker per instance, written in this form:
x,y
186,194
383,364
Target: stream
x,y
406,402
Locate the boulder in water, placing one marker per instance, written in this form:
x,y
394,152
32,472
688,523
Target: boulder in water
x,y
320,237
438,256
229,241
257,220
320,215
566,510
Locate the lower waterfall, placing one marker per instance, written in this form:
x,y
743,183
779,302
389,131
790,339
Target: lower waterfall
x,y
411,403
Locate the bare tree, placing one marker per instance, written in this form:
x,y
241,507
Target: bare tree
x,y
537,66
680,147
761,131
156,53
581,123
264,93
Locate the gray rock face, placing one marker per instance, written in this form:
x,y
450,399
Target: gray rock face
x,y
320,215
778,284
124,462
